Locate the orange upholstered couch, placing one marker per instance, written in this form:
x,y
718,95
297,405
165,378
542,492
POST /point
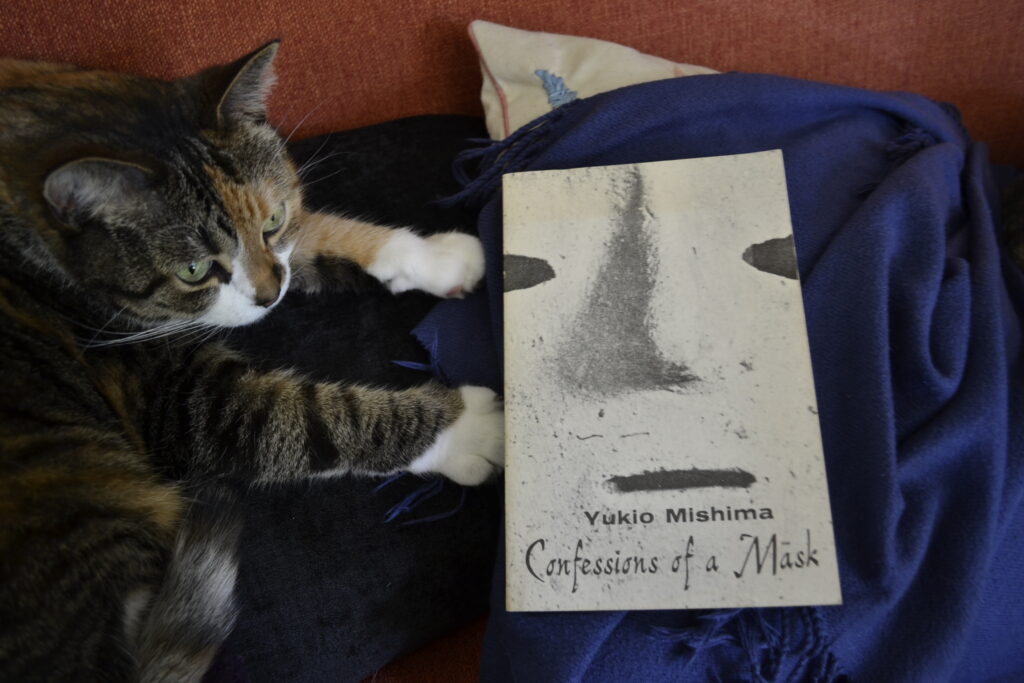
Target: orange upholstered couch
x,y
347,64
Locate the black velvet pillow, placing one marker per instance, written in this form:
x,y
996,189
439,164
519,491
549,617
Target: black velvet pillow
x,y
328,589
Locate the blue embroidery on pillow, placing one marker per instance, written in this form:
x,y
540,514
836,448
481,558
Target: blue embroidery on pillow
x,y
558,93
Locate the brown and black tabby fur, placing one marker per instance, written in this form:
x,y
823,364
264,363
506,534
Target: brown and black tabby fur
x,y
108,184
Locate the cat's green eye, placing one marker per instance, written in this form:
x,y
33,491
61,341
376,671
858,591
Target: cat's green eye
x,y
276,220
195,271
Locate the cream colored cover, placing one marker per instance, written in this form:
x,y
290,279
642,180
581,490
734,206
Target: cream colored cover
x,y
663,447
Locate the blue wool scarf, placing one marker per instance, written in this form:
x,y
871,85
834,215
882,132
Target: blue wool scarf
x,y
913,312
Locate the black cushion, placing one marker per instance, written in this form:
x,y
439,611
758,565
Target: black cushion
x,y
328,589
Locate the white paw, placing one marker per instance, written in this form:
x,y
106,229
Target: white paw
x,y
473,449
446,265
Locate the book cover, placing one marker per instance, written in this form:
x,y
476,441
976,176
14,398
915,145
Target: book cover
x,y
663,447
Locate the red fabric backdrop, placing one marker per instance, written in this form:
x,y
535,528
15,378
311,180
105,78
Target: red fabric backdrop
x,y
345,64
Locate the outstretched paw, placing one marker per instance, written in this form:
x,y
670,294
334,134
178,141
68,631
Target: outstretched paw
x,y
458,264
472,449
447,265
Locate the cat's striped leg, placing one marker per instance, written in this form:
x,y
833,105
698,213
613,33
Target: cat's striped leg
x,y
446,265
279,425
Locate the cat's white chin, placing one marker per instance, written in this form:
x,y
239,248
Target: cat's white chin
x,y
235,304
232,309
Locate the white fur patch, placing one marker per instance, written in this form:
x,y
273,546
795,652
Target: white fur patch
x,y
471,450
284,256
134,604
216,572
448,264
235,304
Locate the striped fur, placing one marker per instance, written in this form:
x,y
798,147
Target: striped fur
x,y
112,567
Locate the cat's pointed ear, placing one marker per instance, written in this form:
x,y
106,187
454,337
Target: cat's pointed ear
x,y
93,186
241,89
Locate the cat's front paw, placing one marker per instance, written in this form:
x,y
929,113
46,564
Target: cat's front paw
x,y
472,449
449,264
458,264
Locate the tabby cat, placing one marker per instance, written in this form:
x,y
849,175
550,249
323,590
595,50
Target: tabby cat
x,y
135,216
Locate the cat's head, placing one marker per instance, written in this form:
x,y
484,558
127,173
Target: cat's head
x,y
176,201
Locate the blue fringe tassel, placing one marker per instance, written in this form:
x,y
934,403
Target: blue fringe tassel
x,y
788,644
479,170
430,488
432,367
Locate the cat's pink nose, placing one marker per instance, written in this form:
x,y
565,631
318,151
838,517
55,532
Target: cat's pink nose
x,y
268,286
267,295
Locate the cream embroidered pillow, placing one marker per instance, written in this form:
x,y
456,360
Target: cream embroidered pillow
x,y
528,73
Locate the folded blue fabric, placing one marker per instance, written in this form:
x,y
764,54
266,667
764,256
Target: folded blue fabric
x,y
914,316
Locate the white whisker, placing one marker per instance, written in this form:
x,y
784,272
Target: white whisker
x,y
303,119
311,164
157,332
329,175
110,320
198,335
